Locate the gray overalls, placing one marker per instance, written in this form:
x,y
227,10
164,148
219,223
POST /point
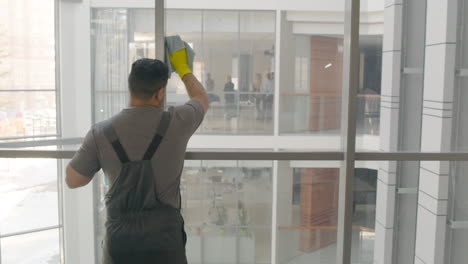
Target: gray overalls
x,y
139,228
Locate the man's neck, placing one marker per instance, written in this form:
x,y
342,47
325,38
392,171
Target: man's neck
x,y
140,103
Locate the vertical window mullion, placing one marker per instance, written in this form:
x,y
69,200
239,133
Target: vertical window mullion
x,y
348,109
159,30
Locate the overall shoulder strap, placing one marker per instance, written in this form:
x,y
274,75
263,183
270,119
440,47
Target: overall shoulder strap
x,y
113,139
163,125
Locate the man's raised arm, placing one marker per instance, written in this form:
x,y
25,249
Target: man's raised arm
x,y
194,88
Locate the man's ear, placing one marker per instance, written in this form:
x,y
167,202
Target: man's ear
x,y
161,93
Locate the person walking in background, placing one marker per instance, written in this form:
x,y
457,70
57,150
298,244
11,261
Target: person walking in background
x,y
229,97
210,84
258,97
267,93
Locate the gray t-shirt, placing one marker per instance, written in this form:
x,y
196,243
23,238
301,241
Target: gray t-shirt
x,y
135,128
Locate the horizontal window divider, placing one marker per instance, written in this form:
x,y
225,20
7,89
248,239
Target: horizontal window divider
x,y
458,224
122,4
30,231
229,226
27,90
37,154
25,137
264,155
412,156
38,143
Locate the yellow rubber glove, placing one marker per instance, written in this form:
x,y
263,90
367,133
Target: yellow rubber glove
x,y
180,62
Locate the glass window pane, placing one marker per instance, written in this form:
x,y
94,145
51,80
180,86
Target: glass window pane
x,y
188,25
119,37
461,94
112,49
27,114
373,213
404,208
27,45
34,248
256,72
368,96
411,94
311,75
29,194
458,213
226,43
307,211
227,209
221,55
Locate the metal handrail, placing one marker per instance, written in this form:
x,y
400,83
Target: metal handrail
x,y
266,155
29,231
29,137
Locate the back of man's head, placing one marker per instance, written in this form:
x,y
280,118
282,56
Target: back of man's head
x,y
147,77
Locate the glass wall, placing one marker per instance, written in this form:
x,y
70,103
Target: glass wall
x,y
311,72
29,211
116,42
227,208
458,213
234,60
307,211
29,192
27,69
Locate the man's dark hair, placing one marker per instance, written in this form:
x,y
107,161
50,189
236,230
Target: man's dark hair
x,y
147,77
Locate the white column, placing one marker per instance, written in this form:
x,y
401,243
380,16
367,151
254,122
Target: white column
x,y
411,93
389,127
75,97
439,74
276,118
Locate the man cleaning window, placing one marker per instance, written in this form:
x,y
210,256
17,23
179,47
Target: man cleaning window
x,y
141,151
